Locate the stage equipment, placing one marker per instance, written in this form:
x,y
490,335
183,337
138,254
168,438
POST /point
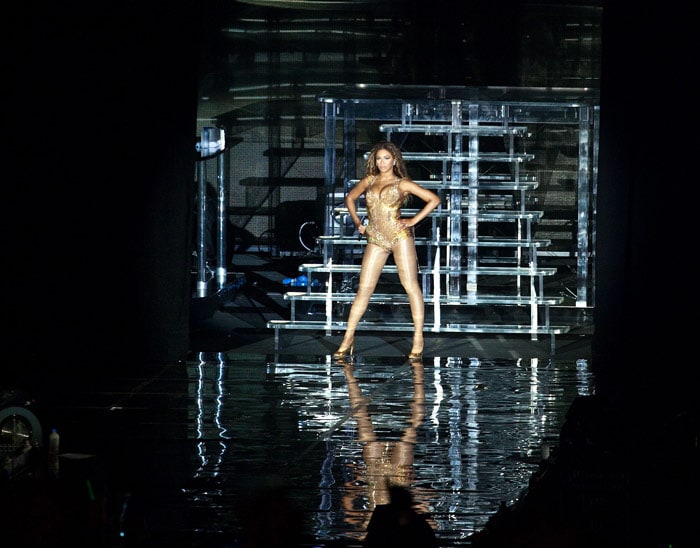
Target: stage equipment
x,y
212,144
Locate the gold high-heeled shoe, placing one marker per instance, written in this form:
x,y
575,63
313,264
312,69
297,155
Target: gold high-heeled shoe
x,y
344,352
416,354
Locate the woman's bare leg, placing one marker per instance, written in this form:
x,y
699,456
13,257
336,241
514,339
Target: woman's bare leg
x,y
373,262
407,265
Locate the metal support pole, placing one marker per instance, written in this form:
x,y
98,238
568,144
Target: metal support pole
x,y
222,219
201,233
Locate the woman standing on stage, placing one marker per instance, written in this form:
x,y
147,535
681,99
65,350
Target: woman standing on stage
x,y
386,187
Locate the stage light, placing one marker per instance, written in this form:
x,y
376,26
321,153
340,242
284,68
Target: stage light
x,y
212,141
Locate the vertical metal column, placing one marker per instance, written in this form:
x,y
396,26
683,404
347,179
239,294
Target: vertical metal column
x,y
582,200
454,255
222,218
347,254
515,173
583,277
329,118
201,232
349,145
473,206
330,111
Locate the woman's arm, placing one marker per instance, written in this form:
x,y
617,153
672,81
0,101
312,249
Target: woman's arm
x,y
351,199
431,200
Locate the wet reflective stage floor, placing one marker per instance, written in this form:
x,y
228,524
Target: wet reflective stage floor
x,y
182,454
462,434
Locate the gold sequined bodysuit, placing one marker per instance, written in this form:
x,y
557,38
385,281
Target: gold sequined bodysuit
x,y
383,213
388,237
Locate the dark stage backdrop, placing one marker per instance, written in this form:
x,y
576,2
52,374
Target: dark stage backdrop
x,y
102,116
645,206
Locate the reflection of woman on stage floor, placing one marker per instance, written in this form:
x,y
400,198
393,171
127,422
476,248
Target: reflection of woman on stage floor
x,y
388,464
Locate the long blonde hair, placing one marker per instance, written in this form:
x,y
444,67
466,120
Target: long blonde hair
x,y
395,151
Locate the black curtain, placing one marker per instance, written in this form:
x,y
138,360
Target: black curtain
x,y
643,354
645,209
102,122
